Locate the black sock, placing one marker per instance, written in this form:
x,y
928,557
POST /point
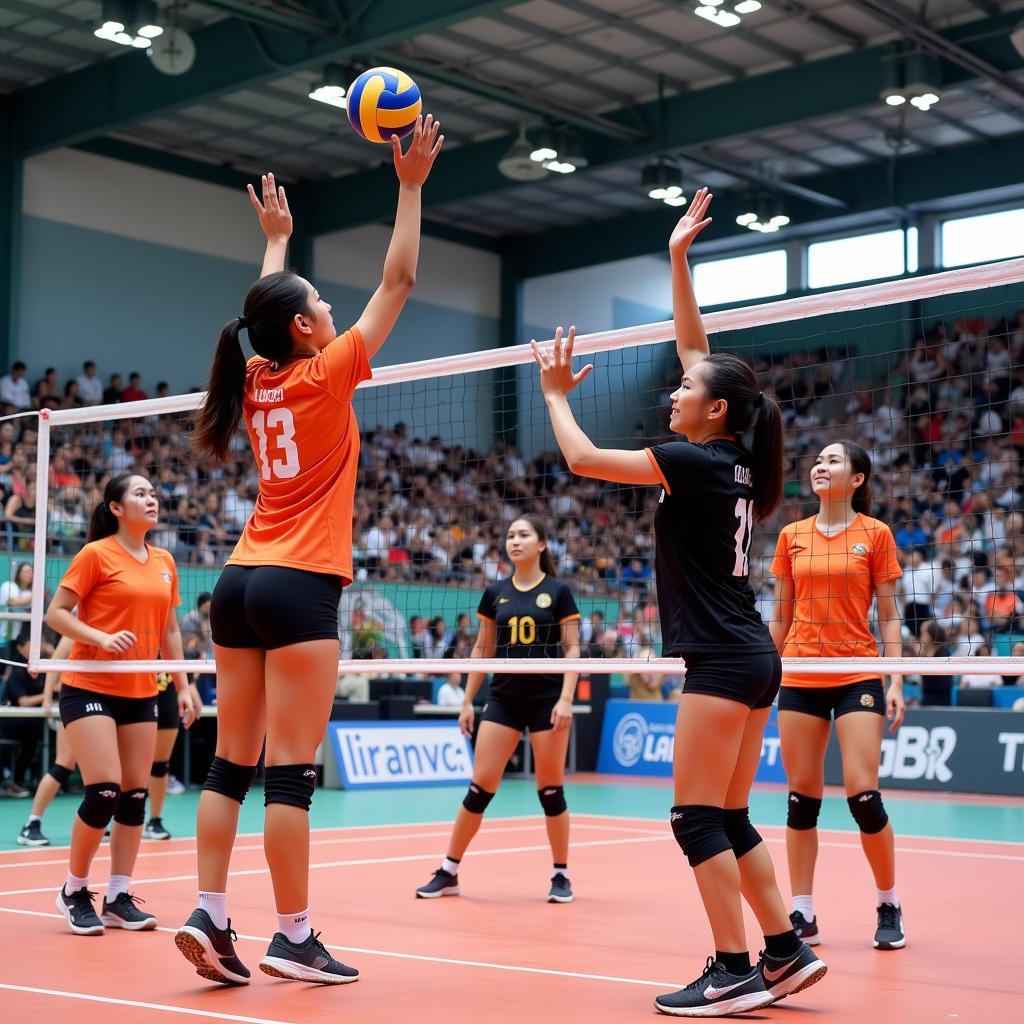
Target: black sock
x,y
782,945
734,963
561,867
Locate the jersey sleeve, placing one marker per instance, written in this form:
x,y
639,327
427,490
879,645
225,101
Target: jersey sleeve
x,y
488,606
565,604
342,365
84,572
678,463
885,565
782,563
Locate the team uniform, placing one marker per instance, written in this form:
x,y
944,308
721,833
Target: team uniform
x,y
528,625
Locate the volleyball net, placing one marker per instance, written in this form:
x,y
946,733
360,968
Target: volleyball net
x,y
927,374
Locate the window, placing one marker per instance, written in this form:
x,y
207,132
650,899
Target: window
x,y
988,236
740,277
860,258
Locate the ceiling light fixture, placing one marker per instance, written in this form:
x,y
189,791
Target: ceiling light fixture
x,y
913,79
764,214
724,15
129,23
518,164
663,180
332,86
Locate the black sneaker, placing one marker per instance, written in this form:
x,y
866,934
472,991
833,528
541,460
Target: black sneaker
x,y
123,913
442,884
561,890
78,911
788,974
32,835
209,949
717,993
155,829
805,930
308,961
889,933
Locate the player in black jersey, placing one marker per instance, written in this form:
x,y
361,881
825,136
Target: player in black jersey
x,y
529,615
714,488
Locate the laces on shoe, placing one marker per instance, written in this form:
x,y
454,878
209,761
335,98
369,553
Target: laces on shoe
x,y
320,946
84,899
708,968
888,916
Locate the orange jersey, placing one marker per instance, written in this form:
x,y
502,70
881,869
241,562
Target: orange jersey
x,y
304,435
834,581
116,591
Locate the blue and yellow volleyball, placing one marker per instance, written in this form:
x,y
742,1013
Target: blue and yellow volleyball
x,y
383,102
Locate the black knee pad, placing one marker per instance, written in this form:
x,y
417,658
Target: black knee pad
x,y
99,804
290,784
699,831
868,811
60,773
131,807
742,836
552,799
803,812
476,799
229,779
160,769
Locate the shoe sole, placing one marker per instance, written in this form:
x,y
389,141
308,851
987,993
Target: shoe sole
x,y
451,890
899,944
289,970
166,835
561,899
96,929
804,978
23,841
810,940
197,949
723,1008
113,921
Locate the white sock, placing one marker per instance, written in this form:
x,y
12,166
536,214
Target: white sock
x,y
74,883
216,905
804,905
118,885
449,865
33,817
888,896
294,927
564,872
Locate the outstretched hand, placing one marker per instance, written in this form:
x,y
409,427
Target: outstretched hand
x,y
275,217
556,376
413,166
692,223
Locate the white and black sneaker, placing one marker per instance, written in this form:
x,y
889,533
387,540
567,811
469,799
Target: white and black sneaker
x,y
32,835
561,889
79,912
889,934
155,829
122,912
784,975
717,993
307,961
210,950
806,931
444,883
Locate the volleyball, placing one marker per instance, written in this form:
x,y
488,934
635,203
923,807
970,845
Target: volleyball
x,y
383,102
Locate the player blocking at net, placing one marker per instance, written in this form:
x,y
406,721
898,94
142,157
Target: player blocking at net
x,y
714,488
274,612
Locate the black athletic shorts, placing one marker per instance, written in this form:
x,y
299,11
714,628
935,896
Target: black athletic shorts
x,y
826,701
751,679
167,716
520,711
271,606
75,703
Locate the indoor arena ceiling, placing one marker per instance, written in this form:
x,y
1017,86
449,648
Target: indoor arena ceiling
x,y
788,101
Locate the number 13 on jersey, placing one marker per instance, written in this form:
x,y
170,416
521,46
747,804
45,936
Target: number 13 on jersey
x,y
281,422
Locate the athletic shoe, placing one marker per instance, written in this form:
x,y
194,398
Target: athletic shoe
x,y
561,890
889,934
210,950
32,835
12,789
78,911
308,961
784,975
123,913
174,787
155,829
442,884
806,930
717,993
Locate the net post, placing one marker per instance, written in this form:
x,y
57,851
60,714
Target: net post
x,y
39,554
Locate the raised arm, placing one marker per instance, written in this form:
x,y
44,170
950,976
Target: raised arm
x,y
402,257
275,220
691,339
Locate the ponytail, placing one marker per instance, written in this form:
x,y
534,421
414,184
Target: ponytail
x,y
767,450
218,418
103,522
547,560
860,462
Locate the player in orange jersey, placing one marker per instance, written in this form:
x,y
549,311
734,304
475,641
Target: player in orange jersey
x,y
274,613
829,570
126,592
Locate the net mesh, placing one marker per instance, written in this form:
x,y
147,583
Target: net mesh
x,y
927,374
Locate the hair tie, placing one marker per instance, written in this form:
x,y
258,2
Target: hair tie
x,y
243,321
761,401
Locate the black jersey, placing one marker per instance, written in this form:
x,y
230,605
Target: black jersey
x,y
702,530
529,625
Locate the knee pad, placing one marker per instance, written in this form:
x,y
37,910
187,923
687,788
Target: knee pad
x,y
290,784
229,779
160,769
868,811
742,835
476,799
803,812
552,799
131,807
60,773
99,803
699,831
